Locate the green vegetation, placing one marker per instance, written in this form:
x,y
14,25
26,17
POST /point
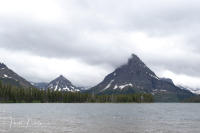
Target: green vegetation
x,y
194,99
11,94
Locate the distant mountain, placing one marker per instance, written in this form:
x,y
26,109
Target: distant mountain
x,y
62,84
7,76
40,85
136,77
83,88
193,90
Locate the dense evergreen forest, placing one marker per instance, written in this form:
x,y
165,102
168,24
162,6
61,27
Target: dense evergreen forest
x,y
12,94
195,99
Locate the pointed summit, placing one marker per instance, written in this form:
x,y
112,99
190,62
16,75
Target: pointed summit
x,y
62,84
135,69
134,57
134,61
61,76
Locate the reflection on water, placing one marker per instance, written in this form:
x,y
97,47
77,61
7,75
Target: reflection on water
x,y
100,118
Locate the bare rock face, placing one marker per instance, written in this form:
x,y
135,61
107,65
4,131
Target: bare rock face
x,y
136,77
167,80
7,76
62,84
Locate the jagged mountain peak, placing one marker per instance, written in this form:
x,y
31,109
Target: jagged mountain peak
x,y
62,84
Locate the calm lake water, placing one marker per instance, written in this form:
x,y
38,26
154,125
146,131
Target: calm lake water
x,y
100,118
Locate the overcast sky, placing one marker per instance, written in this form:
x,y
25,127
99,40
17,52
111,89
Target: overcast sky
x,y
85,40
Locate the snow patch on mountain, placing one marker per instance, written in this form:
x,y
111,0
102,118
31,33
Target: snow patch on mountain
x,y
108,85
122,86
126,85
6,76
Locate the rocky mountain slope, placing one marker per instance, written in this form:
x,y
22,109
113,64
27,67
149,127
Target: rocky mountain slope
x,y
136,77
7,76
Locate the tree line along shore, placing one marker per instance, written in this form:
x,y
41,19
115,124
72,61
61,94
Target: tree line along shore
x,y
14,94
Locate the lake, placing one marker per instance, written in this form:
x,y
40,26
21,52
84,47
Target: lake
x,y
100,118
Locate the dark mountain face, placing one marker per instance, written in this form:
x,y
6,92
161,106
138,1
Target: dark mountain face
x,y
167,80
7,76
62,84
136,77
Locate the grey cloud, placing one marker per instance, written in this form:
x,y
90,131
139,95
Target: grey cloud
x,y
56,42
85,24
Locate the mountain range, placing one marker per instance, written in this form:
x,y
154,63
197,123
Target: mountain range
x,y
132,77
7,76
